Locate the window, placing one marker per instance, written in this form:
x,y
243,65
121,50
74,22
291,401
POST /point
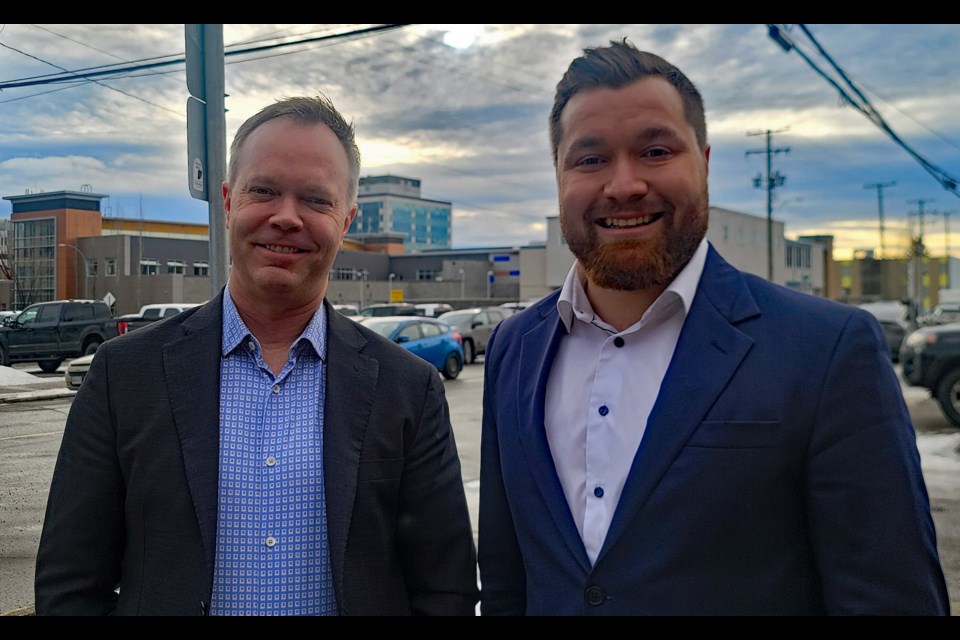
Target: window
x,y
430,330
201,269
410,332
343,273
110,266
49,313
176,266
426,274
148,267
92,267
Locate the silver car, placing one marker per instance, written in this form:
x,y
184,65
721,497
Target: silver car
x,y
475,325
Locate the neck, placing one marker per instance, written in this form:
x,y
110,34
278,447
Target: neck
x,y
620,309
275,323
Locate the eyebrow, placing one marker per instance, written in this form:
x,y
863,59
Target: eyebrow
x,y
649,134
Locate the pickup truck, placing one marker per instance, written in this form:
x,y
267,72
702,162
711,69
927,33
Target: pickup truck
x,y
930,357
49,332
150,313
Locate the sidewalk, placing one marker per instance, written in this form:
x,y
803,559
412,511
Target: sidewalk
x,y
20,386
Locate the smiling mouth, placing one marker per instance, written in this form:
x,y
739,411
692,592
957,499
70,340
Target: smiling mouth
x,y
627,223
279,248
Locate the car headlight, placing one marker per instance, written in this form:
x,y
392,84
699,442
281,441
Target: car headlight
x,y
918,340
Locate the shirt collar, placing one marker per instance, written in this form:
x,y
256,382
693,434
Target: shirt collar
x,y
574,304
235,332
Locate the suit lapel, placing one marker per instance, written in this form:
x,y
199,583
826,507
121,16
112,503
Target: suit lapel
x,y
191,366
348,403
708,352
531,395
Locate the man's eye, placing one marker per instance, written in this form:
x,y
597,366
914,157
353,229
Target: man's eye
x,y
260,191
657,153
588,161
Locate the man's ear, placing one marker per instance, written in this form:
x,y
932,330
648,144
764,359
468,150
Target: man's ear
x,y
347,221
225,192
706,158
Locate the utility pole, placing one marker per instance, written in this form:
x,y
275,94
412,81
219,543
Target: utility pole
x,y
773,181
919,251
880,186
207,138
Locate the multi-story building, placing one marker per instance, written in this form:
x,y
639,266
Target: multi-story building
x,y
393,204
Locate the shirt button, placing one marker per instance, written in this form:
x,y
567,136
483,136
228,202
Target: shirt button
x,y
618,342
271,541
276,388
604,410
271,461
594,596
598,491
251,345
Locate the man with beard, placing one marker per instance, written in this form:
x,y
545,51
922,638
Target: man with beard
x,y
666,435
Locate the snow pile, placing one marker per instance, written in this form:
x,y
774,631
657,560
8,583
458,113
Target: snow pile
x,y
14,377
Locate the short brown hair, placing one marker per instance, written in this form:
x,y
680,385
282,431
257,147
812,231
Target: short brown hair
x,y
614,67
306,110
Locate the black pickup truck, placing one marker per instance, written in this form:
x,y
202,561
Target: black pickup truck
x,y
49,332
930,357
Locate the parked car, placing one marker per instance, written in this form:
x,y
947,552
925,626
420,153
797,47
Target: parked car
x,y
892,316
475,326
432,309
76,371
432,340
930,358
49,332
944,313
389,309
150,313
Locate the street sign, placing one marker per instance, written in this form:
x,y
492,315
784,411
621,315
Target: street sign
x,y
109,299
396,295
197,147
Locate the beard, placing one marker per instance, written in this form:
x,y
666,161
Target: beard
x,y
637,263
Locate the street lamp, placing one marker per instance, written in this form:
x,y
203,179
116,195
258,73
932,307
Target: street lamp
x,y
461,283
489,282
390,286
86,269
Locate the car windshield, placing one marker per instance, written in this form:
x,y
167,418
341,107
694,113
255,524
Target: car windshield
x,y
383,327
457,317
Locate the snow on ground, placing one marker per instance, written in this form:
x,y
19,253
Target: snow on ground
x,y
10,376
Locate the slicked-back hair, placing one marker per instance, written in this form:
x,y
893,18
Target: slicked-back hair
x,y
614,67
305,110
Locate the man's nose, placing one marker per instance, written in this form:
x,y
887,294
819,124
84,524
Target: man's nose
x,y
286,214
627,179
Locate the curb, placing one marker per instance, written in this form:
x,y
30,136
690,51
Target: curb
x,y
40,394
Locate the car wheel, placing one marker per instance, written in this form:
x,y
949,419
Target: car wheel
x,y
49,366
468,355
452,366
91,348
948,395
3,358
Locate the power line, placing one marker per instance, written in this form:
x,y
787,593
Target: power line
x,y
72,75
778,35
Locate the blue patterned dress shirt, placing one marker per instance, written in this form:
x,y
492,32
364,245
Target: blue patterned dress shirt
x,y
272,555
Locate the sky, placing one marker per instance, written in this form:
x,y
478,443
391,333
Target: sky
x,y
463,108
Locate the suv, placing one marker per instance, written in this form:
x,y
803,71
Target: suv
x,y
475,325
930,357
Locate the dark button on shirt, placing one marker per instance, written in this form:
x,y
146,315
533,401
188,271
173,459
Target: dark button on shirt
x,y
618,342
604,410
598,491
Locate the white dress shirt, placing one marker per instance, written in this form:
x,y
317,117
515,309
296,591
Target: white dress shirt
x,y
600,391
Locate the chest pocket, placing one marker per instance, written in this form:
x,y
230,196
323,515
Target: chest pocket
x,y
736,434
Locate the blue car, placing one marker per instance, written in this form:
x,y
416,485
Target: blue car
x,y
432,340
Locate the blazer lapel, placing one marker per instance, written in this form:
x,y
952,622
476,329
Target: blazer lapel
x,y
348,403
531,395
191,367
708,352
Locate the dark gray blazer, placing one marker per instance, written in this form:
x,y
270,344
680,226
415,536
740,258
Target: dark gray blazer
x,y
133,502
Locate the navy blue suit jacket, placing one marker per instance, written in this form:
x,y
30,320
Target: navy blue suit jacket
x,y
778,473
